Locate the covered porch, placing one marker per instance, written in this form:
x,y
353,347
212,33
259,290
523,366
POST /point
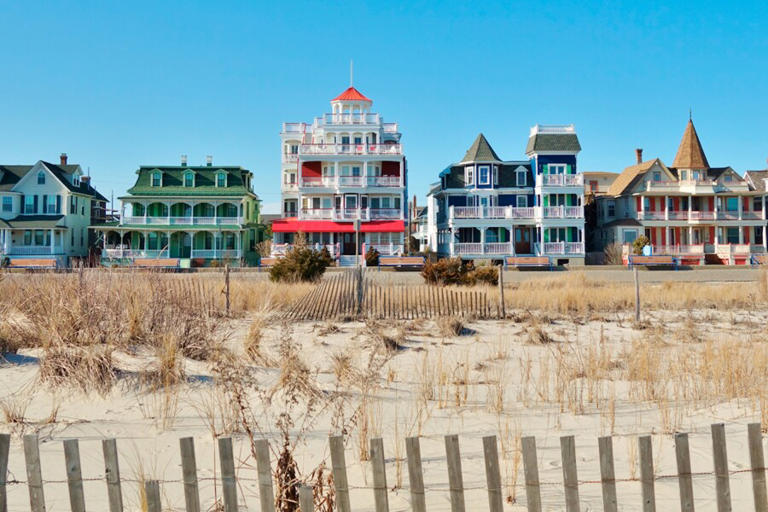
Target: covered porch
x,y
30,236
158,244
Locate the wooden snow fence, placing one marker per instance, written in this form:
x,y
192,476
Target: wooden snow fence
x,y
352,294
233,498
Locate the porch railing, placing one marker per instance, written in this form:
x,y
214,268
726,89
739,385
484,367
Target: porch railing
x,y
387,249
351,149
560,180
183,221
134,253
563,212
492,212
490,248
563,247
351,181
34,250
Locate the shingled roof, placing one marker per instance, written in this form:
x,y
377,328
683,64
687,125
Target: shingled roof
x,y
690,154
553,142
757,179
481,151
629,174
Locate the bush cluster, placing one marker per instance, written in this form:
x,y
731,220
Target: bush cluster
x,y
300,264
372,257
447,271
639,243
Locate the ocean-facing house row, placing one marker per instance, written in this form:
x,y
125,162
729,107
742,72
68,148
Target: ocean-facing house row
x,y
699,213
45,211
188,215
484,207
344,182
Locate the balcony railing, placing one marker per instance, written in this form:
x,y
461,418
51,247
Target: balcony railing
x,y
563,212
491,212
350,213
290,157
133,253
489,248
34,250
563,247
316,213
647,215
350,118
183,221
386,249
351,181
350,149
560,180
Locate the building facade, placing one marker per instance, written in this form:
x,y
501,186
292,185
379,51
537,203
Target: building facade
x,y
488,208
195,214
344,182
45,211
699,213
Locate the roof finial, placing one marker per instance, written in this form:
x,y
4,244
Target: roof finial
x,y
690,114
351,71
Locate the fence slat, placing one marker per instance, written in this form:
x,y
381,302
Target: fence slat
x,y
74,475
531,469
339,466
379,475
189,474
757,460
306,500
415,475
5,444
455,477
112,475
720,455
264,468
647,484
607,474
492,474
684,478
570,475
152,492
228,482
34,474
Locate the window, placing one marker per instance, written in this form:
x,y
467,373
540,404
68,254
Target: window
x,y
30,204
732,235
189,179
385,202
522,201
696,175
469,175
557,168
611,208
728,178
483,177
629,235
289,178
76,180
294,149
41,178
355,170
221,180
683,175
39,237
49,205
495,175
521,178
656,176
732,204
328,171
7,204
27,238
157,179
757,204
345,139
358,140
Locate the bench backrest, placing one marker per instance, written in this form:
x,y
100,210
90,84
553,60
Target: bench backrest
x,y
761,259
653,260
267,262
32,263
156,262
401,260
527,260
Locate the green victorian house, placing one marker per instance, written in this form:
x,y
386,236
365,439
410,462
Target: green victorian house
x,y
186,216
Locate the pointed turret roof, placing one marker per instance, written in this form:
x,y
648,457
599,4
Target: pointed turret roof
x,y
481,151
690,154
351,94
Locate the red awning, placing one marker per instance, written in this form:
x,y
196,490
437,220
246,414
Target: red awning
x,y
294,225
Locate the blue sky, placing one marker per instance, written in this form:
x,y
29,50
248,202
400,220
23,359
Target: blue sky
x,y
119,84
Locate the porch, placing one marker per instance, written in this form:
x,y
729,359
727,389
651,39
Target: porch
x,y
150,244
32,242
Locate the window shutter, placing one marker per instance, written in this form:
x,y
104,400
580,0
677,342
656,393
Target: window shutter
x,y
58,203
45,203
35,204
544,169
568,169
21,207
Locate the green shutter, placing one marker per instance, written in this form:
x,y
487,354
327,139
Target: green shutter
x,y
569,234
569,200
546,236
545,169
546,201
568,169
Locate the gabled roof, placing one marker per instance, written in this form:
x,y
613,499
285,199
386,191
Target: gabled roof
x,y
690,154
757,179
351,94
481,151
629,174
543,142
11,174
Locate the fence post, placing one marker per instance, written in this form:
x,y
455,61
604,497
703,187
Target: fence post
x,y
455,477
570,475
646,473
5,443
756,459
74,475
152,493
415,476
531,469
684,477
112,475
607,474
637,294
379,475
266,494
359,301
339,467
501,292
189,474
228,482
306,499
492,474
720,453
34,474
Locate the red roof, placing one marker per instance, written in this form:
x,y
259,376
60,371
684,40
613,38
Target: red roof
x,y
351,94
294,225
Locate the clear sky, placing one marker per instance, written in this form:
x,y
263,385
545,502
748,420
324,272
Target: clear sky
x,y
119,84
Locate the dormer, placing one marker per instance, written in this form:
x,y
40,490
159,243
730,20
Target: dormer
x,y
156,178
221,178
189,179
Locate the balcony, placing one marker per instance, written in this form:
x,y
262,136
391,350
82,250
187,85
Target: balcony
x,y
564,248
290,157
351,149
183,221
351,181
491,212
560,180
133,253
350,214
563,212
489,249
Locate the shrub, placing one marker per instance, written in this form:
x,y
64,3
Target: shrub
x,y
639,243
455,271
485,275
372,257
449,326
300,264
612,254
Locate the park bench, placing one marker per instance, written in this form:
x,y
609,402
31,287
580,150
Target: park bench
x,y
760,259
30,263
156,263
267,262
528,262
401,261
653,261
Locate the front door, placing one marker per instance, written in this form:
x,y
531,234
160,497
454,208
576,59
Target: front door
x,y
348,244
522,241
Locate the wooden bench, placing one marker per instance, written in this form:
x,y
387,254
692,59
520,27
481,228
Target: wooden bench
x,y
267,262
528,261
32,263
401,261
653,261
760,259
156,263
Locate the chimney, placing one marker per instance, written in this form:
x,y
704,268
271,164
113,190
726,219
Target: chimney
x,y
209,160
639,154
183,160
63,159
86,180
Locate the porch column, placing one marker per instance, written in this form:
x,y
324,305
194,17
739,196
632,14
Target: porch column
x,y
690,208
666,210
642,206
765,240
215,244
741,210
666,236
215,214
192,214
402,177
144,207
741,230
717,235
168,205
482,240
336,173
53,240
122,245
690,228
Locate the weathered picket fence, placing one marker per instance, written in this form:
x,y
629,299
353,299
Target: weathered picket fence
x,y
417,490
353,294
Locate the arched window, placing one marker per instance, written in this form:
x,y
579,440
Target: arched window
x,y
41,178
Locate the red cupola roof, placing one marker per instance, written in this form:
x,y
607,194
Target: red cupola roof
x,y
351,94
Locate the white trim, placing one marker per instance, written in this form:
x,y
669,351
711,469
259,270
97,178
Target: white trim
x,y
487,169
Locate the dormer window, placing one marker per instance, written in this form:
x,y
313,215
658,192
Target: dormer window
x,y
157,179
656,176
221,179
41,178
521,178
189,179
728,178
